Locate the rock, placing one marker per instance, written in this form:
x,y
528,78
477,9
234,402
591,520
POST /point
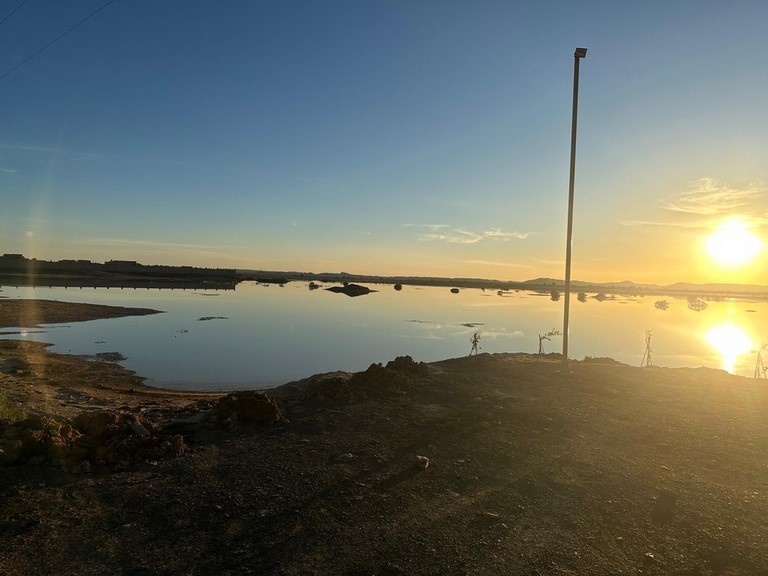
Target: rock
x,y
648,558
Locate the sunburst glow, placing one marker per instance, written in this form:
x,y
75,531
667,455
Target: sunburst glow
x,y
733,244
730,341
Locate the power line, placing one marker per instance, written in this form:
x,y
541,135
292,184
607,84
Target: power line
x,y
12,12
59,37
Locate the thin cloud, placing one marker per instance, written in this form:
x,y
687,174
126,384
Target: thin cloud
x,y
8,170
29,148
433,227
504,235
496,263
103,241
689,225
454,235
710,197
706,202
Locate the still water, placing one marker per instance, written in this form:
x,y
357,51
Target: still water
x,y
259,336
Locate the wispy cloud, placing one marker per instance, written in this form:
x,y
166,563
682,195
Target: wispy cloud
x,y
495,263
456,235
29,148
504,235
8,170
709,197
707,201
152,244
671,224
88,156
433,227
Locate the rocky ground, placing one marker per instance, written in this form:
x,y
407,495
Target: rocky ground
x,y
491,464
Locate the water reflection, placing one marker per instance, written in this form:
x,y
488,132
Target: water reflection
x,y
273,336
731,342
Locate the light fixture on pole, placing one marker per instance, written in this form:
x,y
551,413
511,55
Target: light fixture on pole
x,y
577,55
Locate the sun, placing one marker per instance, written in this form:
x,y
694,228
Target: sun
x,y
733,245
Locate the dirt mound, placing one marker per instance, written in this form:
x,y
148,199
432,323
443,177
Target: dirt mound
x,y
395,377
250,407
103,437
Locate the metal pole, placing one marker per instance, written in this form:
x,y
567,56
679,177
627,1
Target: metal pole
x,y
577,55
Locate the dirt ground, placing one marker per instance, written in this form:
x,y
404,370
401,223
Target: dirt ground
x,y
490,464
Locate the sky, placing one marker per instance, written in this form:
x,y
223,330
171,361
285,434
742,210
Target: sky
x,y
426,138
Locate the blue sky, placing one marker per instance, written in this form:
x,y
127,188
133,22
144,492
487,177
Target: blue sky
x,y
427,138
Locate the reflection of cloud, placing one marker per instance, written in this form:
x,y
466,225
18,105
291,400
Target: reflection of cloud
x,y
454,235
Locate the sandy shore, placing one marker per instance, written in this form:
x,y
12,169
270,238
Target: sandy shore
x,y
609,470
24,313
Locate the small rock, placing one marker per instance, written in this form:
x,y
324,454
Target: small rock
x,y
139,429
421,462
345,456
648,558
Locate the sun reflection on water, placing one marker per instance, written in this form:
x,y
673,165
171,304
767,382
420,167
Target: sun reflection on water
x,y
731,342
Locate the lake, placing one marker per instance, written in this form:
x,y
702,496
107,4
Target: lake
x,y
263,335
